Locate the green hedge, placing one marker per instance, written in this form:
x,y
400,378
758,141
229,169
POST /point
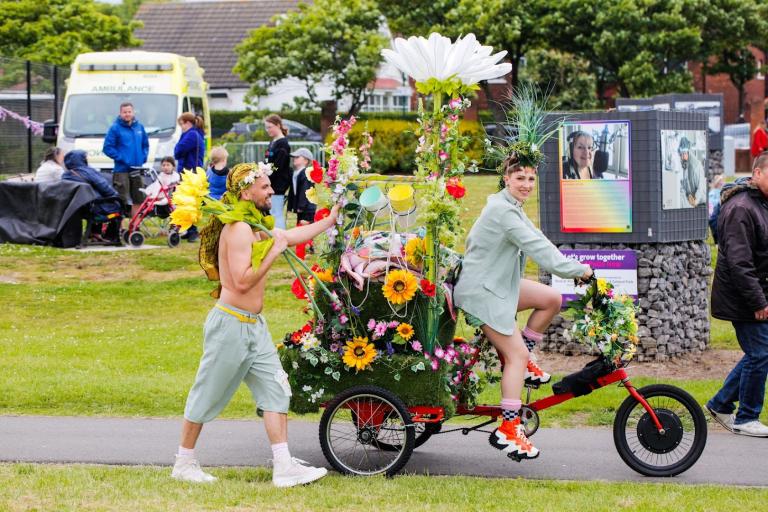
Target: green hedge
x,y
394,143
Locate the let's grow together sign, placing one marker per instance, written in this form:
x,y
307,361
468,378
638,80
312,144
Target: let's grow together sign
x,y
617,267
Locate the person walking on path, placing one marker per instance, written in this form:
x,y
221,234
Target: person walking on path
x,y
238,346
278,154
740,295
127,145
190,153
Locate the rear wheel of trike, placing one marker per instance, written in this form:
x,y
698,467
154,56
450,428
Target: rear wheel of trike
x,y
356,421
644,448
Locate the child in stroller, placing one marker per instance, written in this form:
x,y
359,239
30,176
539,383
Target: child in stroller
x,y
157,206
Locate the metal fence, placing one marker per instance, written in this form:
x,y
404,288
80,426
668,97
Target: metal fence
x,y
240,152
29,91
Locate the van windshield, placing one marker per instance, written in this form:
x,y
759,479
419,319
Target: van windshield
x,y
91,115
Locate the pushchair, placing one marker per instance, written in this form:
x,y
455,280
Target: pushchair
x,y
152,219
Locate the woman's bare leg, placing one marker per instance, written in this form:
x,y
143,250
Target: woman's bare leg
x,y
515,354
543,299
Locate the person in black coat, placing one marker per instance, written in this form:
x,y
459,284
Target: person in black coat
x,y
76,163
278,154
297,194
740,295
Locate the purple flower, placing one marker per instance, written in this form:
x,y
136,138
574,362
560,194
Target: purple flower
x,y
390,349
371,324
416,345
334,347
355,311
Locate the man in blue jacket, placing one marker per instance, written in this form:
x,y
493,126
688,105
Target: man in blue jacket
x,y
128,145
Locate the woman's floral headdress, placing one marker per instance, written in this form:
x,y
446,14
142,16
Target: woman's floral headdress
x,y
527,116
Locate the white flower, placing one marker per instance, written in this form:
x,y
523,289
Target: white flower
x,y
438,58
306,388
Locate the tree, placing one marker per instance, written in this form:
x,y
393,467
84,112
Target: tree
x,y
640,47
730,28
56,31
567,78
334,40
416,17
125,10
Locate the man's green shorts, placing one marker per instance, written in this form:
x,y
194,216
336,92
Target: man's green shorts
x,y
237,348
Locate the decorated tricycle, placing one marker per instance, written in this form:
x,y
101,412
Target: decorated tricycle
x,y
379,350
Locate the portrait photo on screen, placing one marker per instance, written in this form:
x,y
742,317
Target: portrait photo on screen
x,y
595,151
595,177
683,160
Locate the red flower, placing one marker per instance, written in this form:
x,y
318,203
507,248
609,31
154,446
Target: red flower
x,y
321,214
455,188
316,174
298,290
427,287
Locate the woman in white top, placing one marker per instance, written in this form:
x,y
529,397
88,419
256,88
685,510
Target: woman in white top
x,y
52,166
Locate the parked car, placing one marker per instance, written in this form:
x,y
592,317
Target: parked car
x,y
296,131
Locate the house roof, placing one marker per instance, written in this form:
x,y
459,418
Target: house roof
x,y
208,31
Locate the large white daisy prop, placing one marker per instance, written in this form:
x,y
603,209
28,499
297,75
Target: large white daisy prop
x,y
439,65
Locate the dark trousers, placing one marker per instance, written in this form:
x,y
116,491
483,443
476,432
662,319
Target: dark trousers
x,y
746,382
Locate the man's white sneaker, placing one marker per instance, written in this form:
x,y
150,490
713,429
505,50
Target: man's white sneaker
x,y
293,471
188,470
751,428
725,420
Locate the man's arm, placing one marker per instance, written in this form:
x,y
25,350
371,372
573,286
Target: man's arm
x,y
737,235
301,234
110,144
144,144
238,257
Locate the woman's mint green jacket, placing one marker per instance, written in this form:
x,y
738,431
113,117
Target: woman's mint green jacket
x,y
494,262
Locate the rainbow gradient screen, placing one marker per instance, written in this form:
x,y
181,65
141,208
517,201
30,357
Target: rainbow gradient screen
x,y
595,177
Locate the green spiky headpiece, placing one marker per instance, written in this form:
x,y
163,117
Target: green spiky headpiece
x,y
526,114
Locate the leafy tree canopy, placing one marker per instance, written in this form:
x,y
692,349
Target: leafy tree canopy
x,y
334,40
56,31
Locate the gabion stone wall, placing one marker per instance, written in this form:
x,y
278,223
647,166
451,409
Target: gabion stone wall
x,y
715,164
673,289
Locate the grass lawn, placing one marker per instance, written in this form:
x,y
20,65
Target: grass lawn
x,y
120,333
79,487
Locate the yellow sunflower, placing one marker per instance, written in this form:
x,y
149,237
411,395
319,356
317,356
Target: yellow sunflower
x,y
358,353
415,249
405,331
602,286
400,286
185,216
193,183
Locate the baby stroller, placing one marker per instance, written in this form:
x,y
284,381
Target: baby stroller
x,y
153,216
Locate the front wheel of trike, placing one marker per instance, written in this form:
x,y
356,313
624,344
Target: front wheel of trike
x,y
651,452
356,421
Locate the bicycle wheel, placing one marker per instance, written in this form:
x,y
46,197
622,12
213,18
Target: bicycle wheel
x,y
423,432
649,452
356,421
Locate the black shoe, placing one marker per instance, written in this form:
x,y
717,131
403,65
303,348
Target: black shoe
x,y
185,235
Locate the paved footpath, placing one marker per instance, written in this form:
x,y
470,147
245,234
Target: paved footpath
x,y
569,454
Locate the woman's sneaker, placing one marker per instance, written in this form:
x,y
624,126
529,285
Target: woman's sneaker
x,y
188,470
293,471
511,439
534,375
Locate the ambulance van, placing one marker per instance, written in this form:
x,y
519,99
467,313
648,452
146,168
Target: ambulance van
x,y
159,85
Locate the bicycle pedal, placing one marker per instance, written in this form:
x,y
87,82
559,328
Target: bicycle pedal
x,y
515,457
532,385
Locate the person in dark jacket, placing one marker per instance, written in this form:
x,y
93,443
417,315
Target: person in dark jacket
x,y
76,163
278,154
740,295
190,153
127,144
297,195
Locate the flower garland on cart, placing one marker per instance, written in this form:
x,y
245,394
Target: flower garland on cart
x,y
388,319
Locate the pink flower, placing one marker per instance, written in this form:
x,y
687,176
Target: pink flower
x,y
435,364
443,155
343,319
371,324
439,352
380,330
454,103
454,117
416,345
393,324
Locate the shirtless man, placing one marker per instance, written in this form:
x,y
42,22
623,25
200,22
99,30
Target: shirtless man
x,y
238,346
